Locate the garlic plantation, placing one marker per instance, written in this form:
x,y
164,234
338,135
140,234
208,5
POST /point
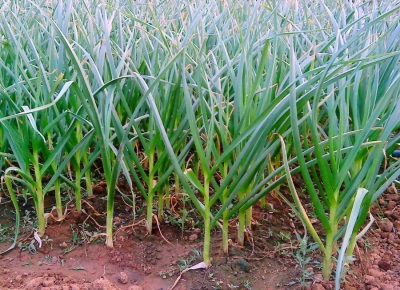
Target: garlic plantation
x,y
222,101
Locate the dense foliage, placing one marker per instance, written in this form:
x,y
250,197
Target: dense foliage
x,y
222,101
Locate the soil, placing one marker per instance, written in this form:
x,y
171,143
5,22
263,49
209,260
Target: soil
x,y
73,254
377,265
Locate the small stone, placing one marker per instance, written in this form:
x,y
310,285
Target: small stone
x,y
123,278
102,284
396,225
348,287
193,237
385,265
385,235
369,280
35,283
63,245
391,236
375,273
386,225
391,205
243,265
150,238
386,287
317,287
49,282
395,196
74,287
318,277
135,288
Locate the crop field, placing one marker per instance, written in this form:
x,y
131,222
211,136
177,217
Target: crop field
x,y
200,117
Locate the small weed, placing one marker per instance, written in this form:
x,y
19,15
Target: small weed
x,y
48,260
303,258
217,282
79,268
166,274
284,236
81,235
247,285
74,238
346,267
367,244
28,223
28,247
3,233
185,263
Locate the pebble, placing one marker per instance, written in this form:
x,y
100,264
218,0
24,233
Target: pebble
x,y
386,225
375,273
243,265
123,278
317,287
385,235
49,282
35,283
386,287
63,245
193,237
135,288
385,265
391,205
103,284
369,280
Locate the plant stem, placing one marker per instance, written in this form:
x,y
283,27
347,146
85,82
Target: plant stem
x,y
225,218
249,215
327,262
88,176
241,227
39,194
150,196
110,216
330,243
160,212
57,193
207,221
78,196
40,214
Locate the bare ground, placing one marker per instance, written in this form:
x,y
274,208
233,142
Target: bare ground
x,y
73,255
